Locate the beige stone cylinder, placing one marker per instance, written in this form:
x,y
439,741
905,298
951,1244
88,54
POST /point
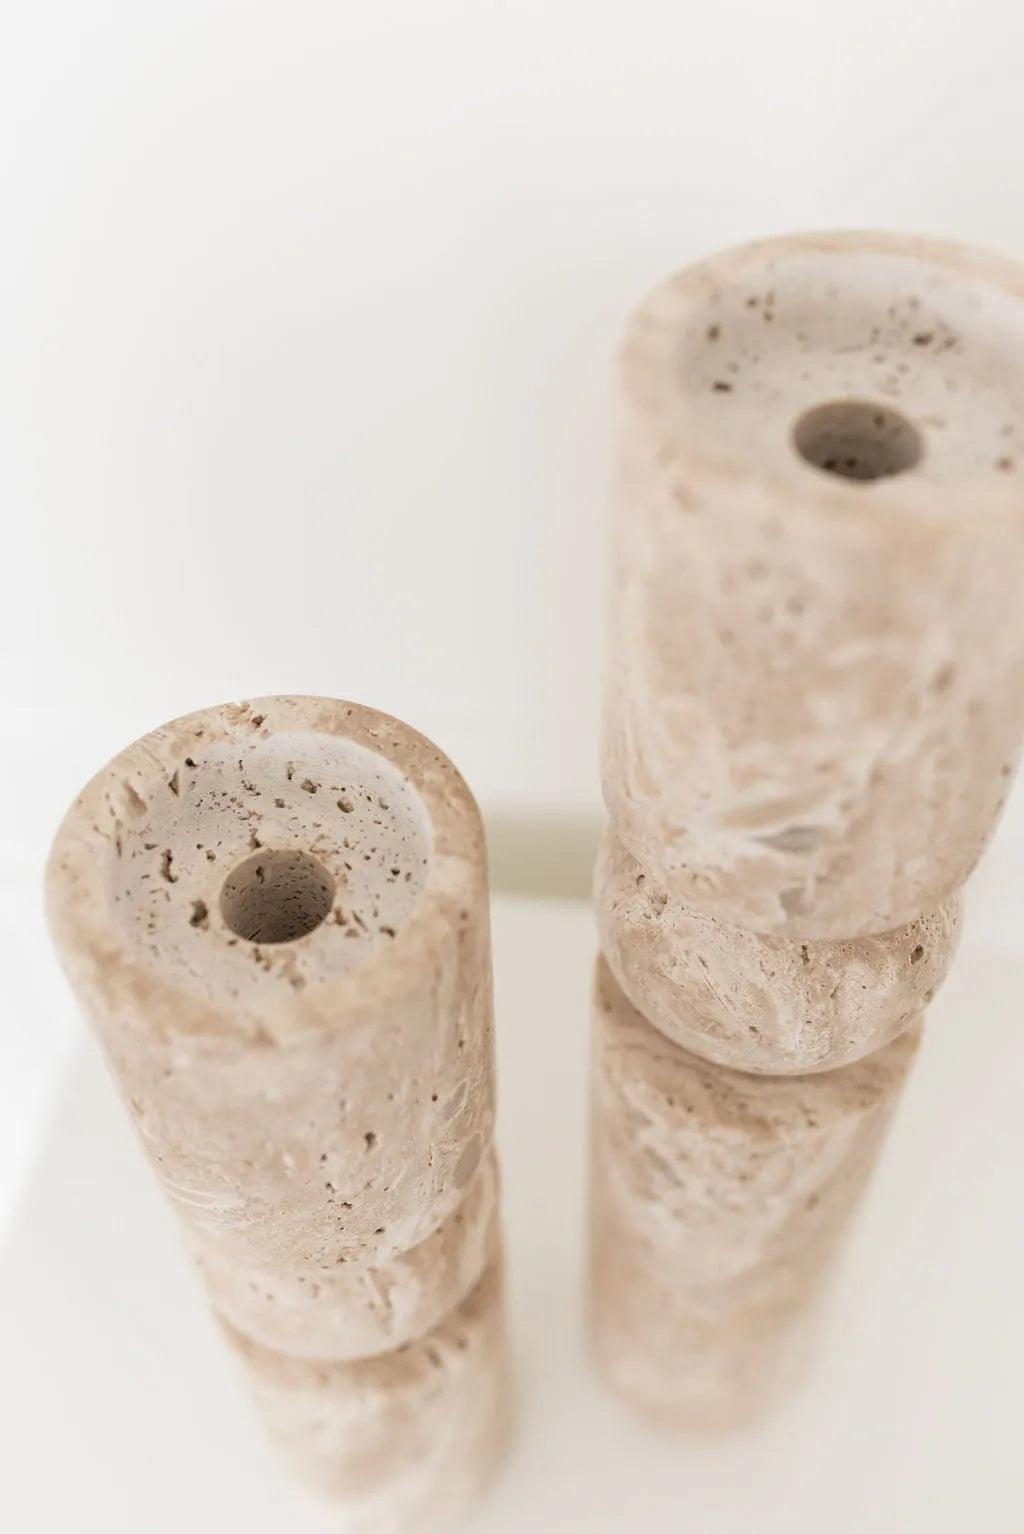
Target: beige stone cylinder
x,y
686,1365
815,695
717,1202
351,1311
275,916
758,1003
402,1442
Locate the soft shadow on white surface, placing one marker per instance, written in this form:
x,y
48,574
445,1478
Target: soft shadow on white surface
x,y
119,1413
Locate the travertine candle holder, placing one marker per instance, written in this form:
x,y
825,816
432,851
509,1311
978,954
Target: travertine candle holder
x,y
760,1003
275,916
816,679
717,1200
402,1441
814,708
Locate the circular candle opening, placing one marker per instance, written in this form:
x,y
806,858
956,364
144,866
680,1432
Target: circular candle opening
x,y
857,440
277,896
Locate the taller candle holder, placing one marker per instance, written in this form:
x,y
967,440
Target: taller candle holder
x,y
814,709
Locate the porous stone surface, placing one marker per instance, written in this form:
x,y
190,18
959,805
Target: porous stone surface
x,y
349,1311
402,1442
815,688
717,1201
275,916
760,1003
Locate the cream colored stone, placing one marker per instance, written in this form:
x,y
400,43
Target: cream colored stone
x,y
402,1442
815,695
353,1311
685,1362
718,1199
275,917
760,1003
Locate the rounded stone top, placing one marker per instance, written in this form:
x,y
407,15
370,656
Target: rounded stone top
x,y
693,1106
262,868
864,373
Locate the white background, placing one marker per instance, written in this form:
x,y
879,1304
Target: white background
x,y
306,316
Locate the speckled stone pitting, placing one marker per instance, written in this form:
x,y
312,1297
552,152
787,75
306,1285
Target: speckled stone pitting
x,y
814,708
717,1202
275,916
350,1311
761,1003
815,689
303,1102
405,1441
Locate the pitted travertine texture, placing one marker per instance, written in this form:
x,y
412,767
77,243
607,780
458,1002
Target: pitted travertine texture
x,y
353,1311
758,1003
726,1192
815,693
304,1102
402,1442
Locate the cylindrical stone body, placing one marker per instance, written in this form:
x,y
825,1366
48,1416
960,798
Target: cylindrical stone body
x,y
688,1366
403,1441
815,694
717,1202
275,916
348,1310
759,1003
